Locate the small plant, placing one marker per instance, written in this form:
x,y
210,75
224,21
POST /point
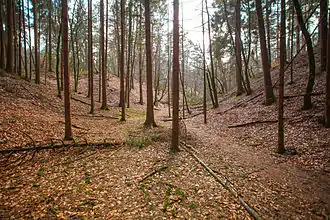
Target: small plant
x,y
87,178
53,211
41,171
138,142
192,205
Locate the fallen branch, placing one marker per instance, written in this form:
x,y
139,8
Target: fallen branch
x,y
78,100
95,116
252,123
75,126
152,173
250,210
57,146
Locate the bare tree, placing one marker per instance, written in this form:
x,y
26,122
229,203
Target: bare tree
x,y
67,108
175,79
36,42
269,94
238,49
122,61
327,101
90,55
50,35
9,66
323,32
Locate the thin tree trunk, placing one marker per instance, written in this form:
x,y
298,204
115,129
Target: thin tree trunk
x,y
103,58
36,44
311,59
327,99
24,38
268,11
19,39
168,65
323,32
30,42
150,121
58,61
291,43
9,67
175,79
129,41
50,36
2,40
204,65
15,37
281,148
90,55
68,129
269,94
140,55
122,61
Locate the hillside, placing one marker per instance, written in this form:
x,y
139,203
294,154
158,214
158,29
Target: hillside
x,y
133,174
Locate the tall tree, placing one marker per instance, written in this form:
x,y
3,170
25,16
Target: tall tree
x,y
90,55
129,49
150,121
103,58
50,10
281,148
311,59
9,67
268,12
24,40
269,94
122,60
323,32
2,39
175,78
204,65
140,55
67,108
327,101
36,42
213,75
238,49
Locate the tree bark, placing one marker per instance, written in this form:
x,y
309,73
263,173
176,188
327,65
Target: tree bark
x,y
269,94
150,121
280,148
323,32
140,56
9,66
311,59
129,50
50,58
122,61
175,78
2,40
90,55
103,59
24,39
36,44
58,78
239,86
67,108
327,101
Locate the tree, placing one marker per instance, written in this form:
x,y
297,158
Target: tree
x,y
24,39
150,121
67,108
50,35
140,55
2,40
238,49
36,42
103,58
311,59
323,32
213,75
281,148
90,55
175,78
269,94
9,67
327,101
122,61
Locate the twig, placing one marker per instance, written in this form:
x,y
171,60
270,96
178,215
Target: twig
x,y
75,126
78,100
151,174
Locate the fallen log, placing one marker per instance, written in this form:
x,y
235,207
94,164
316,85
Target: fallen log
x,y
233,192
252,123
57,146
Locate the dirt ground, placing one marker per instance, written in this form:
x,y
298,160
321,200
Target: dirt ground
x,y
137,177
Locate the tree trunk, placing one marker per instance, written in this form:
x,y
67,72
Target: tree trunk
x,y
140,56
281,148
129,50
103,59
90,55
204,65
36,44
175,78
19,39
24,39
58,79
239,86
122,61
327,101
2,40
269,94
311,59
9,67
50,36
67,108
268,12
150,121
30,42
15,36
323,32
213,75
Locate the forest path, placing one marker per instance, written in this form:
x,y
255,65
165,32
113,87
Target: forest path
x,y
270,183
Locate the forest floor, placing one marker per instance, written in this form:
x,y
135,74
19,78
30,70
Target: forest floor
x,y
135,175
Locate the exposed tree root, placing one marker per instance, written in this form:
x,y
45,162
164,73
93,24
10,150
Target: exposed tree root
x,y
250,210
62,145
252,123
